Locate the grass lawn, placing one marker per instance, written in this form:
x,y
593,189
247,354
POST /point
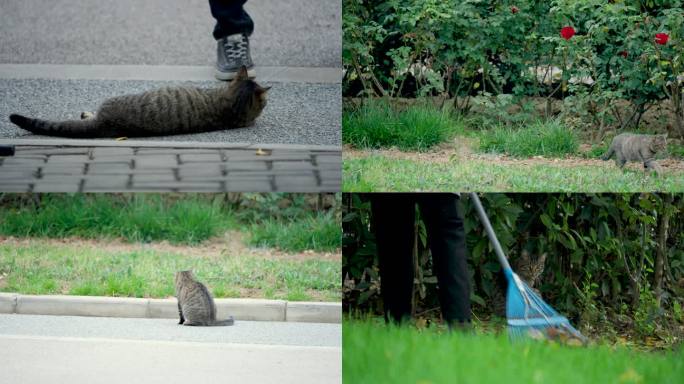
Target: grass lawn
x,y
377,124
381,173
100,268
188,219
378,354
386,152
318,231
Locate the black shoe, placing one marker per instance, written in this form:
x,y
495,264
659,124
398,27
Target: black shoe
x,y
465,327
232,53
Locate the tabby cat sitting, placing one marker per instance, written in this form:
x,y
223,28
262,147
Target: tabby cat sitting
x,y
195,304
529,269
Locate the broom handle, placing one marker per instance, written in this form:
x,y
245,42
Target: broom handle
x,y
490,231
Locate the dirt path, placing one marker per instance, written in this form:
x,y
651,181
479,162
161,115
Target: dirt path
x,y
462,151
231,243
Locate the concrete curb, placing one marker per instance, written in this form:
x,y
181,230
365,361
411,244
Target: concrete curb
x,y
313,312
163,144
240,309
317,75
8,302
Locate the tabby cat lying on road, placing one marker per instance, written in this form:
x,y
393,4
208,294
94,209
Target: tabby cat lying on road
x,y
166,111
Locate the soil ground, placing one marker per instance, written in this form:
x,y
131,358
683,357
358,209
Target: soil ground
x,y
461,148
231,243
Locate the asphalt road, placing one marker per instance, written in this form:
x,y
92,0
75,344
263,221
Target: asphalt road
x,y
31,360
243,332
296,113
288,34
297,33
38,349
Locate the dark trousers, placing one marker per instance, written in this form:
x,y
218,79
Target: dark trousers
x,y
231,18
394,218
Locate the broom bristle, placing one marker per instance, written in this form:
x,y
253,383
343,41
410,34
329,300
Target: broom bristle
x,y
529,316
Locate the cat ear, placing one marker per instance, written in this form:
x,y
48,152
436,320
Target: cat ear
x,y
241,73
261,90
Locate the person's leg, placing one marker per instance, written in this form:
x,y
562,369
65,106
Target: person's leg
x,y
232,31
446,237
231,18
393,221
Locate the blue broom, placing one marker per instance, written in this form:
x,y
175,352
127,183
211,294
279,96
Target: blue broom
x,y
526,313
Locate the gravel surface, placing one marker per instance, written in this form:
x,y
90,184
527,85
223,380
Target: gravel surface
x,y
243,332
304,33
296,113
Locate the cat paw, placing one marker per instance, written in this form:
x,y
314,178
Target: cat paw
x,y
87,115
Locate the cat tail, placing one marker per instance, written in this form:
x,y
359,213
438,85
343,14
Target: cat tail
x,y
69,128
219,323
608,154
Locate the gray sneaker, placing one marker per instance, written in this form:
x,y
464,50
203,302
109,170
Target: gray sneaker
x,y
232,53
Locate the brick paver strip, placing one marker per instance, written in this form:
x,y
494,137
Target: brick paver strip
x,y
102,165
23,160
63,169
176,186
173,151
109,168
168,176
155,161
112,159
246,166
10,174
293,165
52,187
58,158
209,172
248,185
105,151
105,184
200,157
15,187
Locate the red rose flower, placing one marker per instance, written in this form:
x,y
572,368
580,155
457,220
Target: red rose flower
x,y
567,32
661,38
514,9
623,54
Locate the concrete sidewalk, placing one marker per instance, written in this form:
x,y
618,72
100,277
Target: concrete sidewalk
x,y
149,166
240,309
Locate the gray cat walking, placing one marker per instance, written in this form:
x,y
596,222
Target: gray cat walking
x,y
195,304
632,147
166,111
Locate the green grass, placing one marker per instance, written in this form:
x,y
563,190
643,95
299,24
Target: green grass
x,y
676,151
548,139
596,151
318,232
380,354
144,218
44,268
381,174
376,124
184,219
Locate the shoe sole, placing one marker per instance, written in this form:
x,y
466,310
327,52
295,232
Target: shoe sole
x,y
251,73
